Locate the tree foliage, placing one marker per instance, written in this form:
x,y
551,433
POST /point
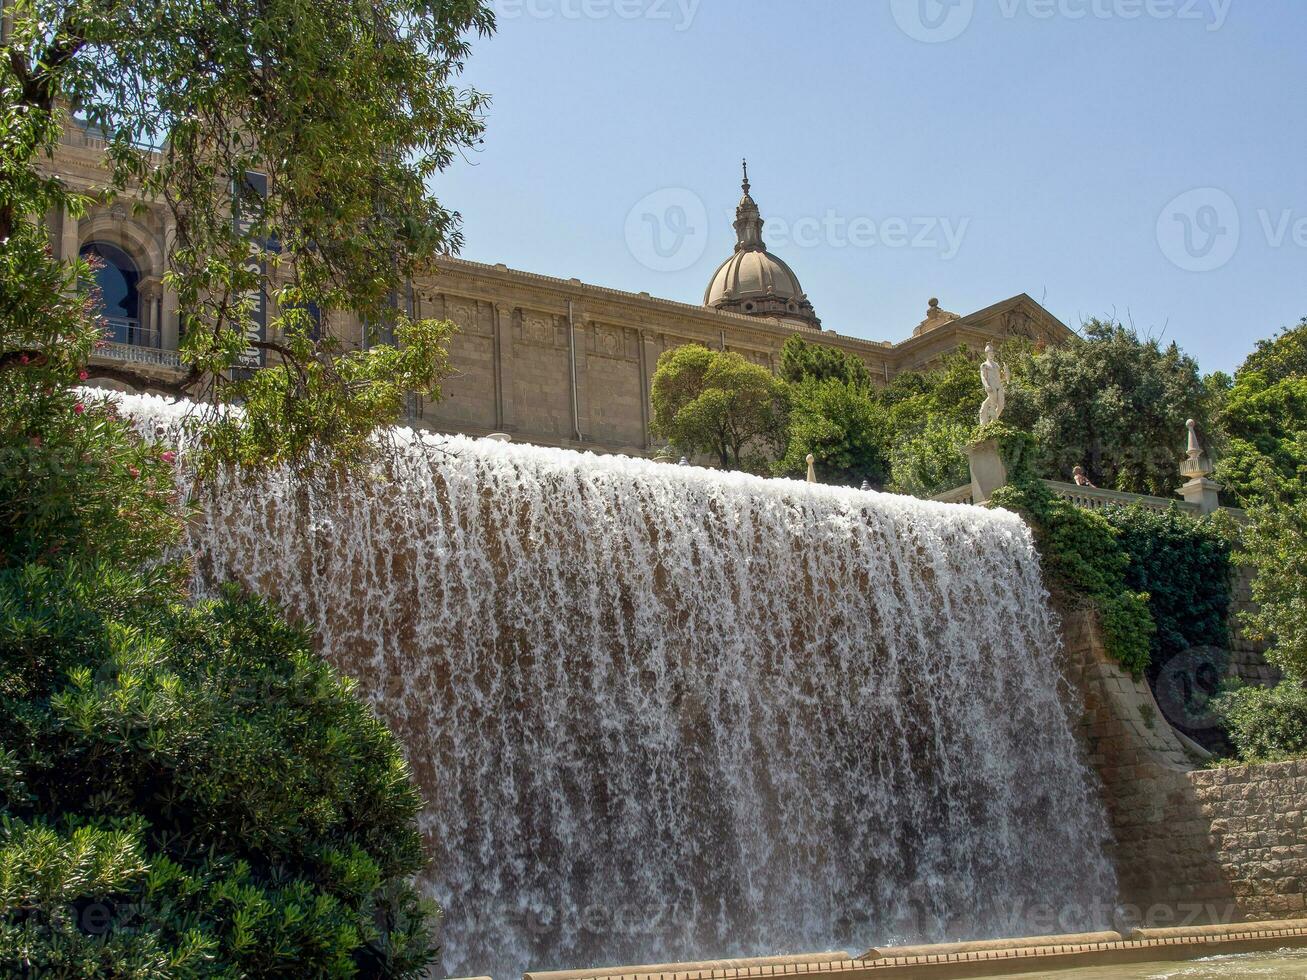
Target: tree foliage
x,y
931,415
1184,567
348,111
1267,724
718,404
186,789
1264,417
190,791
1113,403
1080,551
804,361
841,424
1274,542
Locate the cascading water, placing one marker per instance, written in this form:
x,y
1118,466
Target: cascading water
x,y
661,712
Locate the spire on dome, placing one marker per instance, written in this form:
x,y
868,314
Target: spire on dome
x,y
748,221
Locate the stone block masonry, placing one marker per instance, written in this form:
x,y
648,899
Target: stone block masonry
x,y
1190,845
1255,823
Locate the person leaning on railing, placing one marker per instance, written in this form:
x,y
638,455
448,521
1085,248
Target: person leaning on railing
x,y
1081,479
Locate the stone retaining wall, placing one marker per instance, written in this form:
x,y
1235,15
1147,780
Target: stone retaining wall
x,y
1189,844
1247,656
1255,821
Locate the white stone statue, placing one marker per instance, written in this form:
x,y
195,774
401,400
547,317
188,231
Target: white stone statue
x,y
994,376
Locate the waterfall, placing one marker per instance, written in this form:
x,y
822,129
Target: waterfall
x,y
662,712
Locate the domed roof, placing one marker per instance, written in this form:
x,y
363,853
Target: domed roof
x,y
755,282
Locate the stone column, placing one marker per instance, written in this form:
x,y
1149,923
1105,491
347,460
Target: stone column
x,y
169,329
150,291
69,241
507,412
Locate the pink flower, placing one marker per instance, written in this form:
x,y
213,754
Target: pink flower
x,y
23,359
79,408
82,375
133,471
169,457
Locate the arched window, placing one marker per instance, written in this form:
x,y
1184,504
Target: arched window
x,y
119,279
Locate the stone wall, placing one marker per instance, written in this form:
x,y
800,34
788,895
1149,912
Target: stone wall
x,y
1247,656
1190,844
1255,821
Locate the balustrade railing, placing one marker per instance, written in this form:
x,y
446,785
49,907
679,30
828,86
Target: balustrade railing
x,y
962,495
1089,498
1096,498
133,354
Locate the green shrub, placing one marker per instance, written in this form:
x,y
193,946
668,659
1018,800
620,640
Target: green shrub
x,y
1267,724
188,790
1079,551
1184,566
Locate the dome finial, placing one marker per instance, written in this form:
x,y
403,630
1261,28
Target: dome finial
x,y
748,222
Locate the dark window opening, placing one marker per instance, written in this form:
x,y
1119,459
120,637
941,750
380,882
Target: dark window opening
x,y
118,280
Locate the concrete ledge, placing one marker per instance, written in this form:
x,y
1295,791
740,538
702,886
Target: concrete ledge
x,y
696,968
988,945
956,961
1218,931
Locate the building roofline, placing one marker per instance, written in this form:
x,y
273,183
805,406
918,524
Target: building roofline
x,y
705,314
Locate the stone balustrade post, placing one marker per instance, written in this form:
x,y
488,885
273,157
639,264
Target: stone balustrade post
x,y
1202,492
988,472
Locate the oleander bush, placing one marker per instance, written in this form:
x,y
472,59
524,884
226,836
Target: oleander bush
x,y
186,788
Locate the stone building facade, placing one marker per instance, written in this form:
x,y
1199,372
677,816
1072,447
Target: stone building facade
x,y
546,360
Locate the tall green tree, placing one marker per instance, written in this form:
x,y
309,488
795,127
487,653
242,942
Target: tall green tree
x,y
1113,403
804,361
932,414
187,789
719,404
348,111
1264,419
844,426
1264,466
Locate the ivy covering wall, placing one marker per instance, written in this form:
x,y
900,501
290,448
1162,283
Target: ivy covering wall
x,y
1159,581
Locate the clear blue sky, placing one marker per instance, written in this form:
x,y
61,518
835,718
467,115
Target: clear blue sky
x,y
1051,147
